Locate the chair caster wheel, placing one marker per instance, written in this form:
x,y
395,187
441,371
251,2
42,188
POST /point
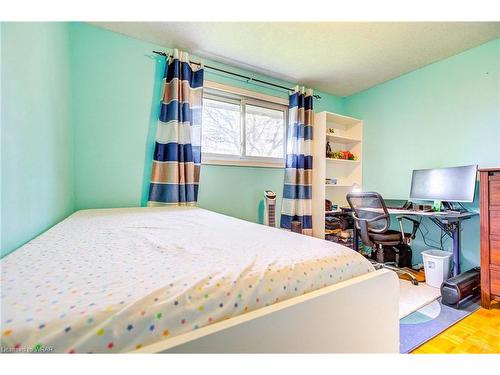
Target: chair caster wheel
x,y
414,282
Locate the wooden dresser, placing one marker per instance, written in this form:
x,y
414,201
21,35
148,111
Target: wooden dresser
x,y
490,235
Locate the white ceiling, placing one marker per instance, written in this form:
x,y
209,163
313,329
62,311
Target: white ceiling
x,y
341,58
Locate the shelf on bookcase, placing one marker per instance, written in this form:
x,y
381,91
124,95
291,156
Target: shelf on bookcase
x,y
341,139
342,161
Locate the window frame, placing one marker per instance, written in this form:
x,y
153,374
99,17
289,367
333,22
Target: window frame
x,y
232,95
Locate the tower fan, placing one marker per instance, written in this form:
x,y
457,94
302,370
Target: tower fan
x,y
270,213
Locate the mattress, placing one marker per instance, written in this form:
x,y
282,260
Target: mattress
x,y
115,280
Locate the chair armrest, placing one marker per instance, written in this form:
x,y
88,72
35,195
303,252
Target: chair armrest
x,y
363,229
416,225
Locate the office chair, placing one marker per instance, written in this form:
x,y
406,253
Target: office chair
x,y
373,221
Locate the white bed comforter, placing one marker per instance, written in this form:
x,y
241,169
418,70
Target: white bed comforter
x,y
115,280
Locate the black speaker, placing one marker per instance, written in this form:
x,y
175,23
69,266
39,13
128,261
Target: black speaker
x,y
460,287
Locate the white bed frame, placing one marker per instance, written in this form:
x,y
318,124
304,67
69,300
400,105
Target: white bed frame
x,y
360,315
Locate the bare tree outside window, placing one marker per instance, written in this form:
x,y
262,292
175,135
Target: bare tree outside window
x,y
243,129
221,128
264,132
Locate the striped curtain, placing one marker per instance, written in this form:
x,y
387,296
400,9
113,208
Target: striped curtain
x,y
297,191
177,156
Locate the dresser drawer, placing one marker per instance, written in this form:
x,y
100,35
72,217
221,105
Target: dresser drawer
x,y
494,190
495,250
495,221
495,280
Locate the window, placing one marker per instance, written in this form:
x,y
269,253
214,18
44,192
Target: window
x,y
237,130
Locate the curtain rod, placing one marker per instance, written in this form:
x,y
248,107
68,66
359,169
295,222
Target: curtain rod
x,y
316,96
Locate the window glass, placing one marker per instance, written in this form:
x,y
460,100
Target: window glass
x,y
238,130
264,131
221,129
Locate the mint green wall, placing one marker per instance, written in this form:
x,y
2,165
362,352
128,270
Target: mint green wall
x,y
444,114
112,88
116,91
92,130
37,180
79,110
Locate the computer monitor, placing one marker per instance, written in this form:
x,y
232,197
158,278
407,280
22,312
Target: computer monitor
x,y
455,184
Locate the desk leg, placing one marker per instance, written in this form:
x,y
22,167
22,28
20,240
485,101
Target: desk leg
x,y
355,238
456,249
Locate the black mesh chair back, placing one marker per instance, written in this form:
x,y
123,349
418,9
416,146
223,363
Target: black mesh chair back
x,y
373,221
369,208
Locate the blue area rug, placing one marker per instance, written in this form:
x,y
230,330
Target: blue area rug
x,y
432,319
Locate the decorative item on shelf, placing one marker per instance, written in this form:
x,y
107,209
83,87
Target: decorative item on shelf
x,y
330,130
349,155
345,155
328,205
330,181
328,150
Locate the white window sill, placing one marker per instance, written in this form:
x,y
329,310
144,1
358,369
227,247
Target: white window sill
x,y
273,163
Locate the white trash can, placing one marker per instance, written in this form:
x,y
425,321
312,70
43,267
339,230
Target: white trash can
x,y
437,266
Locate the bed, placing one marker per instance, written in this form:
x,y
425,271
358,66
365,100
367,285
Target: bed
x,y
184,279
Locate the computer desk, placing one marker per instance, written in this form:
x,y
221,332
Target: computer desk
x,y
450,223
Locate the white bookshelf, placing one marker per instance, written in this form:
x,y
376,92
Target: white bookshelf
x,y
348,136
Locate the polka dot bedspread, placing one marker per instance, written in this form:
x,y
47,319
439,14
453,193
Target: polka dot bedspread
x,y
116,280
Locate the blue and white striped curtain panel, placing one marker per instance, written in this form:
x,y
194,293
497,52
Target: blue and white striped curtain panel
x,y
297,191
177,156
